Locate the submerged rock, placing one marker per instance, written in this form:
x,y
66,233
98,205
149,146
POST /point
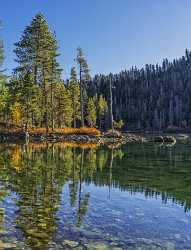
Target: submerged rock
x,y
116,248
145,241
169,245
79,248
70,243
4,245
98,246
40,235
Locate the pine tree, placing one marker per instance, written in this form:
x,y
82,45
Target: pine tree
x,y
2,76
37,52
84,78
102,112
63,107
74,89
111,104
91,112
4,91
30,94
4,102
56,78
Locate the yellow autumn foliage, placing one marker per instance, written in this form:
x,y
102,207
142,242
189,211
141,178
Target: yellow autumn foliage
x,y
16,113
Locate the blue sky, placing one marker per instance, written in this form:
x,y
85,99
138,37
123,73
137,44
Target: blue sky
x,y
115,34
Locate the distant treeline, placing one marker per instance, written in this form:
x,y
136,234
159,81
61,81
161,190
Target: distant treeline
x,y
155,97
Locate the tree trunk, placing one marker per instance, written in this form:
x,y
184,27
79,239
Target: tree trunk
x,y
52,110
74,115
111,106
45,103
81,99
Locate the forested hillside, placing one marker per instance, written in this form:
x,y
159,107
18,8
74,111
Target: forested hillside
x,y
152,98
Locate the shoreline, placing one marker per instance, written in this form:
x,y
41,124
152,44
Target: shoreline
x,y
91,136
56,137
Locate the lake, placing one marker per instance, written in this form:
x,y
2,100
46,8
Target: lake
x,y
136,196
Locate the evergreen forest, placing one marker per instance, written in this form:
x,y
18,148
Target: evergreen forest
x,y
155,97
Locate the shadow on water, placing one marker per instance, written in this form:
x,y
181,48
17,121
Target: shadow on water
x,y
37,174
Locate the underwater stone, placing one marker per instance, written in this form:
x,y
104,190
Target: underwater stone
x,y
177,236
39,235
70,243
117,248
169,245
98,246
4,245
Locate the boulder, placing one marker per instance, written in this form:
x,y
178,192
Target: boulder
x,y
113,134
169,139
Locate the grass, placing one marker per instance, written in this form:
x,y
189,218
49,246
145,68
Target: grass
x,y
62,131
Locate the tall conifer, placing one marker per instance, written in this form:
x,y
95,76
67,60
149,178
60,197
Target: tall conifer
x,y
84,74
74,89
37,52
91,112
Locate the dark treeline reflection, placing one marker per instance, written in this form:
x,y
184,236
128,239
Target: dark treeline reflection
x,y
37,173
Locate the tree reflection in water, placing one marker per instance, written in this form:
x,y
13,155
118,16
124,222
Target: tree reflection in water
x,y
37,173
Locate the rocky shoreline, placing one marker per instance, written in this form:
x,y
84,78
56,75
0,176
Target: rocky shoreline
x,y
106,138
56,137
